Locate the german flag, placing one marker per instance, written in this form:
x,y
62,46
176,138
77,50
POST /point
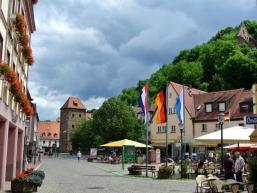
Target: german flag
x,y
161,110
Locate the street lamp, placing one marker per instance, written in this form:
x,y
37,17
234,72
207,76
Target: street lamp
x,y
221,122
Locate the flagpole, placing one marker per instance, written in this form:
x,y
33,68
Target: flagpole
x,y
167,108
146,125
182,132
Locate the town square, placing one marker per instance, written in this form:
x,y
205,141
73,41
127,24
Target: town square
x,y
128,96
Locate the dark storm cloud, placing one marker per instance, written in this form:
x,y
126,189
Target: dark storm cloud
x,y
93,49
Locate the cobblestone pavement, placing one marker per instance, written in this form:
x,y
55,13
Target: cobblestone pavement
x,y
69,176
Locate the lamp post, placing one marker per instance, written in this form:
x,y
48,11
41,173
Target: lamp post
x,y
221,122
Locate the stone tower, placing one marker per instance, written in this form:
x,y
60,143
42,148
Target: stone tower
x,y
72,112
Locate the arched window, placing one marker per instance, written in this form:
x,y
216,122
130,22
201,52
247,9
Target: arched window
x,y
49,135
43,134
55,135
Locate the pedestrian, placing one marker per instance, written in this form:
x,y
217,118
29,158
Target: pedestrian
x,y
79,155
239,168
228,167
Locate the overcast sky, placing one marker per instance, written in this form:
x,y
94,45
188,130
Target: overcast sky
x,y
94,48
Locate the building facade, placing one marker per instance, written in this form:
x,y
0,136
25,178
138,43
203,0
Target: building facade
x,y
201,115
72,112
16,26
49,136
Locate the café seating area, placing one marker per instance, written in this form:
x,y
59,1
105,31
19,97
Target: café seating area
x,y
215,184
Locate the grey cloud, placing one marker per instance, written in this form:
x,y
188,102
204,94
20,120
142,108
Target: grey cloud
x,y
96,48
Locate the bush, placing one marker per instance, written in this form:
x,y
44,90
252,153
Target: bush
x,y
253,173
165,172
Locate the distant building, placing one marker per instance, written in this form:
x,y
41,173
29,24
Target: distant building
x,y
49,135
244,37
72,112
201,115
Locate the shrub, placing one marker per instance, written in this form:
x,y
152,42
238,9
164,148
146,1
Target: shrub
x,y
253,173
165,172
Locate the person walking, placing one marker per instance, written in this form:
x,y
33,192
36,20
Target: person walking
x,y
79,155
239,168
229,166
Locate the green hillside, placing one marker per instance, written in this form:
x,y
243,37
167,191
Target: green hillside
x,y
221,63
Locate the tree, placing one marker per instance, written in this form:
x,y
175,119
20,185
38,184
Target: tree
x,y
114,120
240,71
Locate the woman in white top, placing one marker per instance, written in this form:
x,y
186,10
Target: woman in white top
x,y
79,155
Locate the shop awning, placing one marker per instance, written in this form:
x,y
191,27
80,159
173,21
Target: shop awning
x,y
231,135
120,143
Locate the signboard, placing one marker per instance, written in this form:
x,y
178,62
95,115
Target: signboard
x,y
93,152
251,120
128,153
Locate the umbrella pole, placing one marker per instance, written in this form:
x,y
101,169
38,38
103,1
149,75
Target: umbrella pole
x,y
238,148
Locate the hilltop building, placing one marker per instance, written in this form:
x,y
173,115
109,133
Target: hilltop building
x,y
201,115
72,112
244,37
17,17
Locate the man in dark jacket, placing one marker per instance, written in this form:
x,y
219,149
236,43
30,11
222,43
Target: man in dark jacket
x,y
229,167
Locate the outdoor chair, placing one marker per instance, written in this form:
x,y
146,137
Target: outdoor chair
x,y
234,188
250,188
217,186
245,179
202,184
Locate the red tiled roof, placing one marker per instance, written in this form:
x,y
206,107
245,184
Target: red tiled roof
x,y
232,98
73,103
189,93
49,127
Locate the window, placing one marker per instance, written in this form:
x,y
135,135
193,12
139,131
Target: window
x,y
44,142
79,115
204,128
246,107
173,129
13,6
8,57
13,67
49,135
222,107
159,129
55,135
172,110
73,115
208,108
163,129
170,94
75,103
72,126
1,46
217,126
43,134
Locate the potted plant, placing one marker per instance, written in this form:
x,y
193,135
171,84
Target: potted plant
x,y
20,184
38,173
165,172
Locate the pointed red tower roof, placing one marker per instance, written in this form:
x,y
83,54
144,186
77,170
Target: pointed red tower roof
x,y
73,103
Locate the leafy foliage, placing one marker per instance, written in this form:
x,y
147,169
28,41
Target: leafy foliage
x,y
114,120
221,63
253,172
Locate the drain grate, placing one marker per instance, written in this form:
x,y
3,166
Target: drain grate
x,y
95,188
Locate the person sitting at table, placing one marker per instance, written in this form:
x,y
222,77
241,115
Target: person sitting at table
x,y
239,168
228,167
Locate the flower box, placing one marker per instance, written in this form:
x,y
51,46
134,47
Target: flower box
x,y
22,187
